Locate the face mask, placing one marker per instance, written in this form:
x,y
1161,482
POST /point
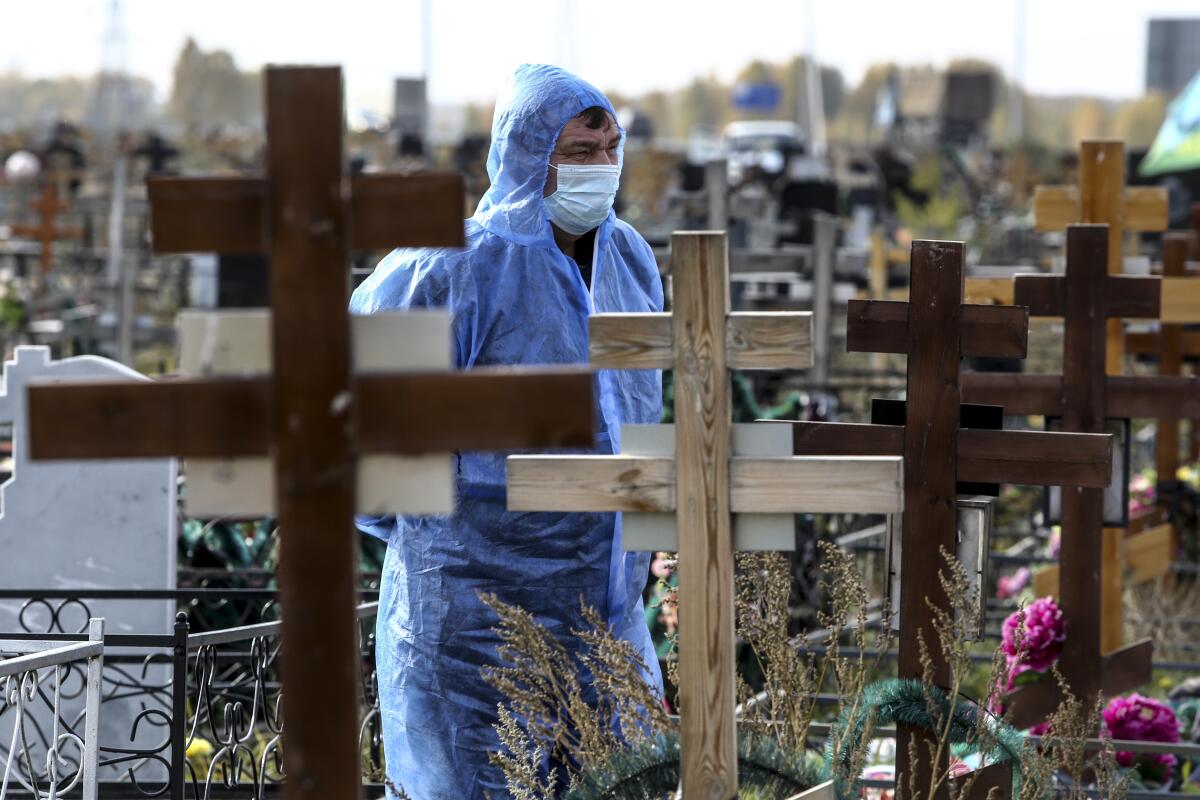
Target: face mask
x,y
584,196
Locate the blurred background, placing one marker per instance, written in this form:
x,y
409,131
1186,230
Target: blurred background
x,y
924,119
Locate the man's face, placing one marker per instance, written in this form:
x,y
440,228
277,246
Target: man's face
x,y
579,144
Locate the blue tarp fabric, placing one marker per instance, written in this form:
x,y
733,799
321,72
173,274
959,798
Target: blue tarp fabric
x,y
515,299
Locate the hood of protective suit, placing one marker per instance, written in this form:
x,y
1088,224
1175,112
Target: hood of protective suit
x,y
535,104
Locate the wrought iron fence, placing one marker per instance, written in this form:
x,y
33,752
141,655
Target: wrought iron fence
x,y
192,715
51,705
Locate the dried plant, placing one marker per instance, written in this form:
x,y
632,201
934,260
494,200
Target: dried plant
x,y
1160,610
554,717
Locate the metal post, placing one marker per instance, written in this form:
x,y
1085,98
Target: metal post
x,y
716,188
119,273
91,736
179,726
824,253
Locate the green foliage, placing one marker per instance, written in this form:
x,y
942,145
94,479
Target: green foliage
x,y
765,770
746,407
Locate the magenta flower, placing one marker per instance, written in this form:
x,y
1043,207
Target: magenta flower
x,y
1143,719
1039,648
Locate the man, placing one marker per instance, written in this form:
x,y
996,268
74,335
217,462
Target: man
x,y
544,250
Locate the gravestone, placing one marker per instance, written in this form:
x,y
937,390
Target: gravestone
x,y
87,525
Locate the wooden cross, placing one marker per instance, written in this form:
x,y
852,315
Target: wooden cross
x,y
1085,297
48,206
314,415
936,329
1102,198
1144,552
707,480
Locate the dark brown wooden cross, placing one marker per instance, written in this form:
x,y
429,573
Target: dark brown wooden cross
x,y
48,206
314,415
1083,396
936,330
1171,343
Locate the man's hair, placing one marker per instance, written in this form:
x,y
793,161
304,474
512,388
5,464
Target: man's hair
x,y
594,117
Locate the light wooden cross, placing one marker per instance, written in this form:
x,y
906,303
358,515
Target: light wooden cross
x,y
48,206
315,415
936,329
1083,396
707,481
1103,199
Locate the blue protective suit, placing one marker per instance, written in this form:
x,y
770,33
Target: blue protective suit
x,y
516,299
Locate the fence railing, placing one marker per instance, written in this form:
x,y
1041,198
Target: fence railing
x,y
50,713
192,714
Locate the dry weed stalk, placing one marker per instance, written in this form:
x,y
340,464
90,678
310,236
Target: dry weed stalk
x,y
566,711
792,680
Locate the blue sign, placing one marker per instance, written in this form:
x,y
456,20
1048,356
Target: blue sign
x,y
757,96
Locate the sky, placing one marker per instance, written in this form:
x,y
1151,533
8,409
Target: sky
x,y
1094,47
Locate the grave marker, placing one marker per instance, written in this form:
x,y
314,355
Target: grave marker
x,y
936,330
48,206
707,481
315,416
1085,297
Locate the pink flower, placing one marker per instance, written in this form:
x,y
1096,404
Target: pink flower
x,y
1010,585
1143,719
1041,643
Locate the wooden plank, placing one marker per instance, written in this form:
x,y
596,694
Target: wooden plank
x,y
1055,207
1017,457
779,340
1128,668
880,326
591,483
1112,595
630,341
869,485
1154,396
1148,555
989,291
1129,296
1119,672
936,320
1084,411
1035,458
817,485
702,442
422,209
439,411
312,425
207,214
1146,209
846,439
1020,394
1180,294
105,419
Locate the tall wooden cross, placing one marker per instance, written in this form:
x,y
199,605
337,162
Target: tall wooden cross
x,y
936,330
1102,198
1144,552
314,415
48,206
706,480
1085,297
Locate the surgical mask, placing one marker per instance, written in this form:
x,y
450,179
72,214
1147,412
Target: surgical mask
x,y
584,196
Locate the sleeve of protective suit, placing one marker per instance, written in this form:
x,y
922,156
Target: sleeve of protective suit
x,y
516,299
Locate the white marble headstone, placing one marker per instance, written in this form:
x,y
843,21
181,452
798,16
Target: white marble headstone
x,y
85,524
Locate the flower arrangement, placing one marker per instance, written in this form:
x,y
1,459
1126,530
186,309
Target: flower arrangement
x,y
1008,586
1143,719
1032,640
1143,492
